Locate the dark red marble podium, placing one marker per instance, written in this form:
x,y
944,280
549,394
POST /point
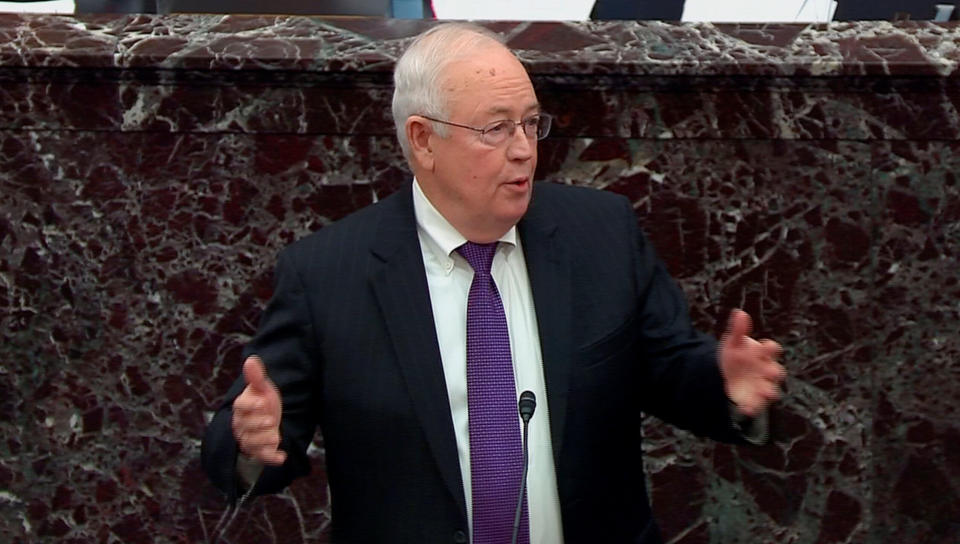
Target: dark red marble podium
x,y
151,167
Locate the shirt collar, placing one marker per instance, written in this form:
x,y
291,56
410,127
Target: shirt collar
x,y
438,230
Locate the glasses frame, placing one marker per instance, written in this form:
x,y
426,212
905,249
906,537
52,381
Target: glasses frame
x,y
490,126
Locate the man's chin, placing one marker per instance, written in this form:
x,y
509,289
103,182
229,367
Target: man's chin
x,y
516,213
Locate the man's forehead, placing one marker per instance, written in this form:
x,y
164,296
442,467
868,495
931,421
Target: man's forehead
x,y
500,109
487,64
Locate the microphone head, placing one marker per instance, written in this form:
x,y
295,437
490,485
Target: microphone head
x,y
527,405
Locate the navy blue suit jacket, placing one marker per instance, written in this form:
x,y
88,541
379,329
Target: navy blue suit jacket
x,y
349,339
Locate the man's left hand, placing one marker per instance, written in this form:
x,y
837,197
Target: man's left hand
x,y
751,373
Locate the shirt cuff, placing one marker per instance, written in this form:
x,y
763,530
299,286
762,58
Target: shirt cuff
x,y
248,469
753,430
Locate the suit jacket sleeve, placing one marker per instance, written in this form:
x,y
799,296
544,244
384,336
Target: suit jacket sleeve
x,y
286,342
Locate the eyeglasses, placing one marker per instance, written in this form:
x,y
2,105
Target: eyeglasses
x,y
535,127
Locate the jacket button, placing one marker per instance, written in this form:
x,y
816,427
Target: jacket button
x,y
460,537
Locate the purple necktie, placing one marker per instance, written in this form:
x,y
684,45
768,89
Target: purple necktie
x,y
496,455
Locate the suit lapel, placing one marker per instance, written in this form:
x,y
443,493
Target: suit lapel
x,y
548,266
400,284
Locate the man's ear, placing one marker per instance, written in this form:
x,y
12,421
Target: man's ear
x,y
420,136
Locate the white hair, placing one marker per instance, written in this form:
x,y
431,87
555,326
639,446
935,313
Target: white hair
x,y
417,75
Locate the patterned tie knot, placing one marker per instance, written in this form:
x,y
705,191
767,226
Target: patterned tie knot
x,y
480,256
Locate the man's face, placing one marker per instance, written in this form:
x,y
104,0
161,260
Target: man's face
x,y
481,189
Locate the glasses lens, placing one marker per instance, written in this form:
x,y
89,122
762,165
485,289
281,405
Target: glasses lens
x,y
496,133
543,125
531,127
534,127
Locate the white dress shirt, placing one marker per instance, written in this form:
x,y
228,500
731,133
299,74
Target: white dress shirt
x,y
449,276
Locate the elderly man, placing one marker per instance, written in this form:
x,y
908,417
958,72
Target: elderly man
x,y
407,330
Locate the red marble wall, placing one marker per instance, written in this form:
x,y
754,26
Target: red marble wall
x,y
151,168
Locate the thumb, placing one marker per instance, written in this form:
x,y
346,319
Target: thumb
x,y
255,374
739,325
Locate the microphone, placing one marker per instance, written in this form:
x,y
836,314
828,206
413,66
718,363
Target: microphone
x,y
526,406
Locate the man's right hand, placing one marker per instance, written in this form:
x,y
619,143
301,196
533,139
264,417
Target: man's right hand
x,y
256,415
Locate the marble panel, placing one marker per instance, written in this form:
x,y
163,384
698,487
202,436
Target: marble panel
x,y
51,41
127,302
244,42
151,167
915,318
309,104
82,102
740,107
